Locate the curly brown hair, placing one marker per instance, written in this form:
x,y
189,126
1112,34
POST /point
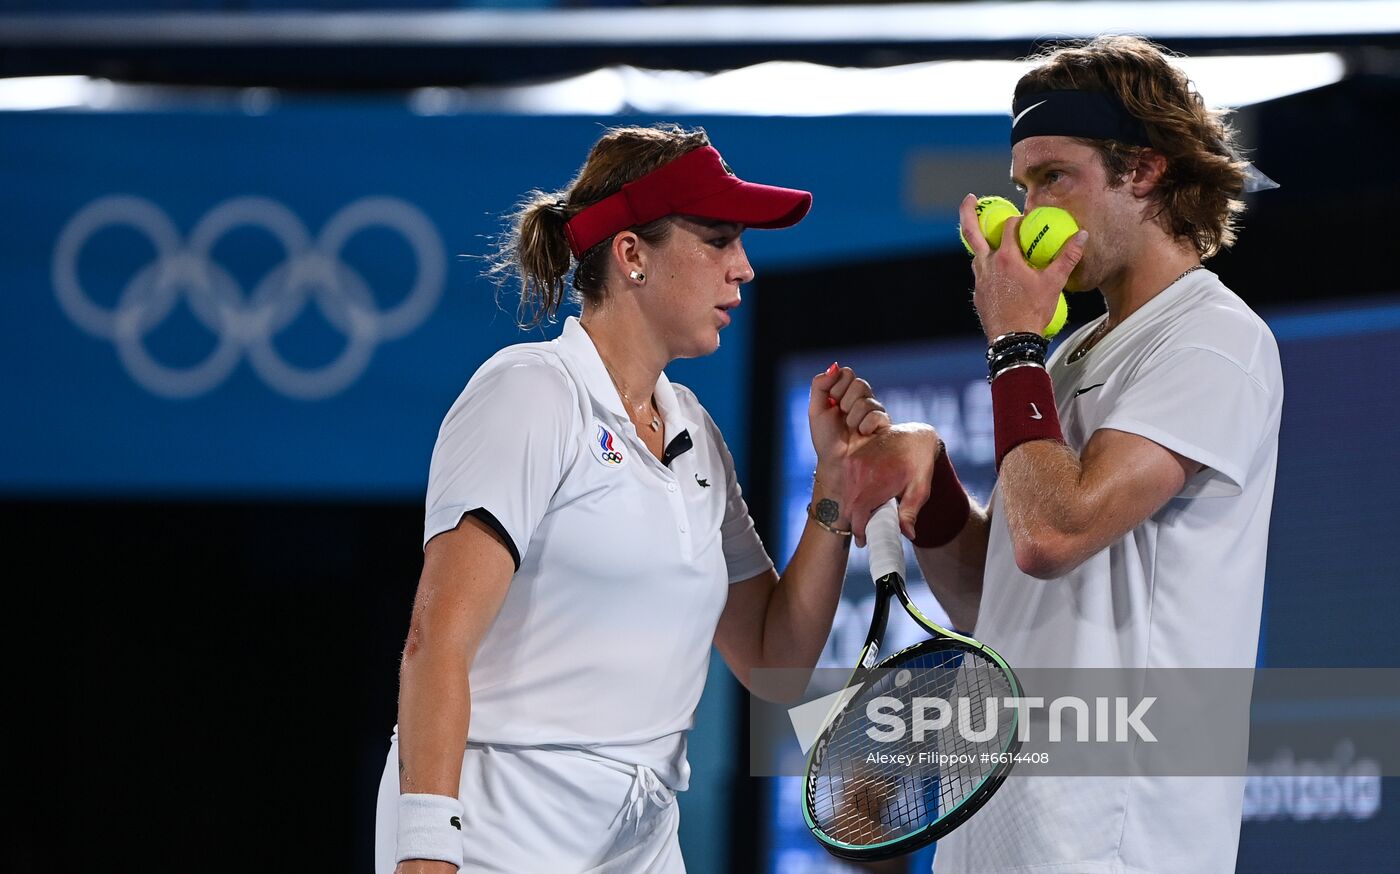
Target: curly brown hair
x,y
535,250
1198,197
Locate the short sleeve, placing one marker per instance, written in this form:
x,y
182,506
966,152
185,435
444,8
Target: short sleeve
x,y
501,451
1203,405
744,554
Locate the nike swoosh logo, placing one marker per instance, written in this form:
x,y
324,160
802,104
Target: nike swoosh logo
x,y
1087,388
1035,413
1022,114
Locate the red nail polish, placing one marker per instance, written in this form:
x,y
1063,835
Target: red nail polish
x,y
832,369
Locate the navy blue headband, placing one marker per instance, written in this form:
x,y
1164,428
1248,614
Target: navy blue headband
x,y
1095,115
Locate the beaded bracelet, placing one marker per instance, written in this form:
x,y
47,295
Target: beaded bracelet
x,y
1014,358
1015,338
1014,349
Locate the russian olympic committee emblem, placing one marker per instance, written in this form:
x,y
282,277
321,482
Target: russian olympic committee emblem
x,y
607,449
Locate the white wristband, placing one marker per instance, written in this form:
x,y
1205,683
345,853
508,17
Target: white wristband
x,y
430,827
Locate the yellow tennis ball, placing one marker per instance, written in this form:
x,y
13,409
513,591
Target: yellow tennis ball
x,y
1057,322
1043,232
992,213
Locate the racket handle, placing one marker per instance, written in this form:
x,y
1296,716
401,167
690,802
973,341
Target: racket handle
x,y
886,543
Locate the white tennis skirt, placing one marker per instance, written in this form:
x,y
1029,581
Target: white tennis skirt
x,y
549,810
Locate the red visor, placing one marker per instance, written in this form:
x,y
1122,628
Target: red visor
x,y
697,183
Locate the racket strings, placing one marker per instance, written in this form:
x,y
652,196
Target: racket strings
x,y
871,790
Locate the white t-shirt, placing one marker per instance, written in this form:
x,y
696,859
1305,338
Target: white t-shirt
x,y
623,563
1196,371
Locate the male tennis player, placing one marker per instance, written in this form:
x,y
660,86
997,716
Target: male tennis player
x,y
1129,521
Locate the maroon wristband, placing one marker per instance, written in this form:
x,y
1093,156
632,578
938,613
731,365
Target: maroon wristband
x,y
1023,409
945,512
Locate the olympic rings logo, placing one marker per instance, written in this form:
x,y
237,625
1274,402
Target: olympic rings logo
x,y
312,270
611,457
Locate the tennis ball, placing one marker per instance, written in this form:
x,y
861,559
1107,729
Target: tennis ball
x,y
1057,322
992,213
1043,232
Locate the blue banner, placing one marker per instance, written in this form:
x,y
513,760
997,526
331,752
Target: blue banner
x,y
217,303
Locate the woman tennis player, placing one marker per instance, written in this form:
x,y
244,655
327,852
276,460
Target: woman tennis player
x,y
586,539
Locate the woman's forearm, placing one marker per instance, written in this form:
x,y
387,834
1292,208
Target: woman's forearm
x,y
803,604
434,714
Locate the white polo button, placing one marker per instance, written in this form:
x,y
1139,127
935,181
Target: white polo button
x,y
671,487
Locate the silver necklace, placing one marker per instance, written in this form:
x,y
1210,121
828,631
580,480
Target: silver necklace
x,y
1093,339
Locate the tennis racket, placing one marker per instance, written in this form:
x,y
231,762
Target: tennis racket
x,y
874,793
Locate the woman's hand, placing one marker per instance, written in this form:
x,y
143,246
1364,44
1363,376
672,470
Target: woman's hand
x,y
842,408
842,413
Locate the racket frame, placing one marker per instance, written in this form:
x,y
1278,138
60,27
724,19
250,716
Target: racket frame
x,y
888,586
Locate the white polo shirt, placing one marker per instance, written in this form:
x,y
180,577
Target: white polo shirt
x,y
603,641
1196,371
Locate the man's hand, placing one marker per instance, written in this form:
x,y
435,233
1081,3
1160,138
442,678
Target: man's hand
x,y
1010,294
896,462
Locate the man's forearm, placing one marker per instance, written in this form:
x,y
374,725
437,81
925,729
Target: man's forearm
x,y
1049,511
954,571
1062,507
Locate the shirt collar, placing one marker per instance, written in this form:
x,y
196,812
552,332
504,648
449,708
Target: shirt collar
x,y
578,346
673,418
575,343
